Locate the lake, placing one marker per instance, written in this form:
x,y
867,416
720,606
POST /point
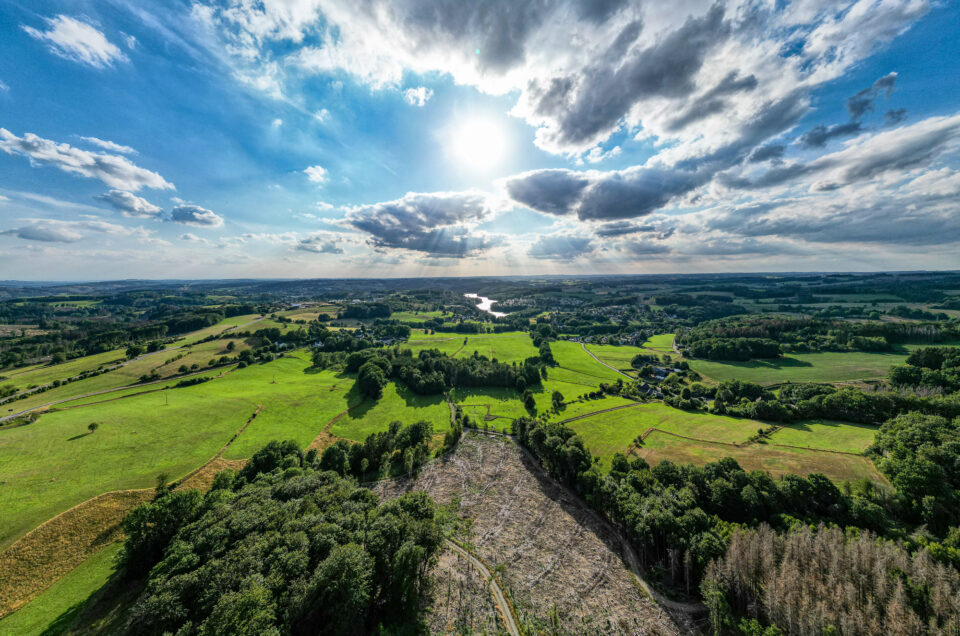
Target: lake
x,y
486,304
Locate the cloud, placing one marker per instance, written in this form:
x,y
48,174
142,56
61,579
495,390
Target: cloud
x,y
317,174
643,248
109,145
3,87
894,116
321,243
196,216
641,190
129,204
772,152
818,136
115,171
621,228
868,156
559,247
862,103
417,96
77,41
55,231
437,224
189,237
596,154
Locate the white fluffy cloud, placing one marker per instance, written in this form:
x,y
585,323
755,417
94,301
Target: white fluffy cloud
x,y
78,41
56,231
417,96
196,216
129,204
321,243
109,145
440,224
317,174
114,170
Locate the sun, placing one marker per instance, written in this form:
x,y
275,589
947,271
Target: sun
x,y
477,144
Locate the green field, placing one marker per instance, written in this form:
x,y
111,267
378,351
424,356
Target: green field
x,y
506,347
397,404
614,432
576,366
55,608
825,366
618,356
662,342
777,460
54,464
826,435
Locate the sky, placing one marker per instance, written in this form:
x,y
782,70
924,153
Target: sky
x,y
382,138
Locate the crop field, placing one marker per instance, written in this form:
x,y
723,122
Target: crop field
x,y
63,600
397,404
825,366
662,342
776,460
826,435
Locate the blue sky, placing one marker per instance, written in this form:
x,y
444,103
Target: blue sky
x,y
373,138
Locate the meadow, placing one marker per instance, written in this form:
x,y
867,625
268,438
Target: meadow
x,y
777,460
662,342
63,601
396,404
826,435
56,463
824,366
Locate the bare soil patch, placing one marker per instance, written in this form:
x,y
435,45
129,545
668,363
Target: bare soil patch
x,y
560,566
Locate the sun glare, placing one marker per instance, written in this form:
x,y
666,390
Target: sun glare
x,y
477,144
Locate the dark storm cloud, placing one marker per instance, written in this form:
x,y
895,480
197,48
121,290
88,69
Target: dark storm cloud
x,y
550,191
599,11
558,247
429,223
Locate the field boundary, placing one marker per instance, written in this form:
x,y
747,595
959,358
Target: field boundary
x,y
612,368
600,412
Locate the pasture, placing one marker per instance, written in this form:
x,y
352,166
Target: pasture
x,y
63,601
662,343
826,435
396,404
824,366
777,460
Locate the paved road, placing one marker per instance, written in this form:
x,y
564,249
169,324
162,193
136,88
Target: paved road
x,y
584,347
498,596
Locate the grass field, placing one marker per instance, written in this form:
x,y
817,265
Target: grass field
x,y
826,366
506,347
826,435
397,404
617,356
576,365
53,464
776,460
662,342
63,600
614,432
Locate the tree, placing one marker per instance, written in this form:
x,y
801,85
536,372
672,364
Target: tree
x,y
134,351
557,399
371,381
231,345
92,426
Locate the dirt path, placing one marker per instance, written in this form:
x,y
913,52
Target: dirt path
x,y
495,590
584,347
612,408
104,391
